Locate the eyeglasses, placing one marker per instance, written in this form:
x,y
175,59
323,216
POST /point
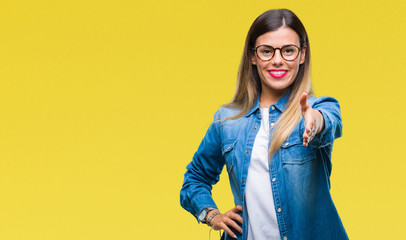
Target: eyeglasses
x,y
266,52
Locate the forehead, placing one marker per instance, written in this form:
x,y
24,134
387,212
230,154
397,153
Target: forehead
x,y
278,38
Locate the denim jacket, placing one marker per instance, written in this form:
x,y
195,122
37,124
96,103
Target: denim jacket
x,y
300,176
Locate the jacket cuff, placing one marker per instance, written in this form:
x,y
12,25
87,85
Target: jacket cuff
x,y
201,203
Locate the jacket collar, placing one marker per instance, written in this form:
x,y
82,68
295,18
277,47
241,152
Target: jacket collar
x,y
281,104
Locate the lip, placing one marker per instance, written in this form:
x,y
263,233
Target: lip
x,y
281,74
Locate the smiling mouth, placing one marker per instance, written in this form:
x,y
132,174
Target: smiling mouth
x,y
278,74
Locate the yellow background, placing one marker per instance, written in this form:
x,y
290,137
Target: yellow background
x,y
103,104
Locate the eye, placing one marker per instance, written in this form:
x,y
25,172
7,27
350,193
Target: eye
x,y
289,50
264,50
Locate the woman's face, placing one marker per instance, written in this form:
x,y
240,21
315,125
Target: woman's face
x,y
278,74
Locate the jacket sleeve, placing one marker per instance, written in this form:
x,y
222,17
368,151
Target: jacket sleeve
x,y
203,172
330,109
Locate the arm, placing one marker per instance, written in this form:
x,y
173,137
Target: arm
x,y
203,172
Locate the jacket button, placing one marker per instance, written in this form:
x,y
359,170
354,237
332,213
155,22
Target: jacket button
x,y
285,238
273,179
279,210
242,181
255,127
273,108
247,151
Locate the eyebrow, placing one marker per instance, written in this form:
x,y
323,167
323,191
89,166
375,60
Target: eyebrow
x,y
276,47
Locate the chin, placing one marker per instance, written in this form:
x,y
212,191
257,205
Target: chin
x,y
279,86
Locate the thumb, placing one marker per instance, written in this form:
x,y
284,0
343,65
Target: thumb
x,y
303,102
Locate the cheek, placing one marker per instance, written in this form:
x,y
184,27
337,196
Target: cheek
x,y
262,65
294,69
294,66
259,67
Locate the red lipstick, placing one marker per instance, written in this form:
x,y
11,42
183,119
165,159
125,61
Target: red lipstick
x,y
278,73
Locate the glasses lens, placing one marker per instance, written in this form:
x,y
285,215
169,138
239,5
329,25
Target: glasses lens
x,y
265,52
290,52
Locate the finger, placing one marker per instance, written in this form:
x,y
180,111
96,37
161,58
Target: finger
x,y
305,143
305,140
227,230
306,136
236,217
309,126
307,133
237,208
233,224
312,130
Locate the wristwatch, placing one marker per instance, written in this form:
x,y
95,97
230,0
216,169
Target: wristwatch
x,y
203,214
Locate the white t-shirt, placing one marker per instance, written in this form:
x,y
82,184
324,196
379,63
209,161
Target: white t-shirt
x,y
262,222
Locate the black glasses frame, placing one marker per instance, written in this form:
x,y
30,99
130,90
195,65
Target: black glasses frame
x,y
274,51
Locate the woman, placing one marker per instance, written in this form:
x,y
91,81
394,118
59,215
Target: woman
x,y
275,139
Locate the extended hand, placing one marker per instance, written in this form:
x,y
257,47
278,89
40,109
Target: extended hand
x,y
226,220
314,121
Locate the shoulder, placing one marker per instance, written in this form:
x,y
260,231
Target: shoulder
x,y
229,128
225,112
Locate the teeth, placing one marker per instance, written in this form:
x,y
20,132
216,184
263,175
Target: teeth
x,y
277,72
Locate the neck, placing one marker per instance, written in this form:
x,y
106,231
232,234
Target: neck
x,y
269,97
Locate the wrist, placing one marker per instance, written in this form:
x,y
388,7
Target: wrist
x,y
203,214
210,215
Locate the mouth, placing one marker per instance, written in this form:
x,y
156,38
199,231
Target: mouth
x,y
276,73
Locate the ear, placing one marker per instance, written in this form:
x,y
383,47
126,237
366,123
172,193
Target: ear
x,y
303,54
253,60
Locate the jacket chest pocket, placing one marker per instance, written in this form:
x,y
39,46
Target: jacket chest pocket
x,y
228,153
293,151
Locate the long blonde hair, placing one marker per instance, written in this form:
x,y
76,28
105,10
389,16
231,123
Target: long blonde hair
x,y
249,83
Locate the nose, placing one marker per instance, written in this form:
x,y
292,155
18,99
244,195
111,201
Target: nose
x,y
277,58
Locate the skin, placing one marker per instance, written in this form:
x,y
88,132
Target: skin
x,y
272,90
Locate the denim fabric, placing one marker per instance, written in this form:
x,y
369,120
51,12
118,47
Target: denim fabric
x,y
300,176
